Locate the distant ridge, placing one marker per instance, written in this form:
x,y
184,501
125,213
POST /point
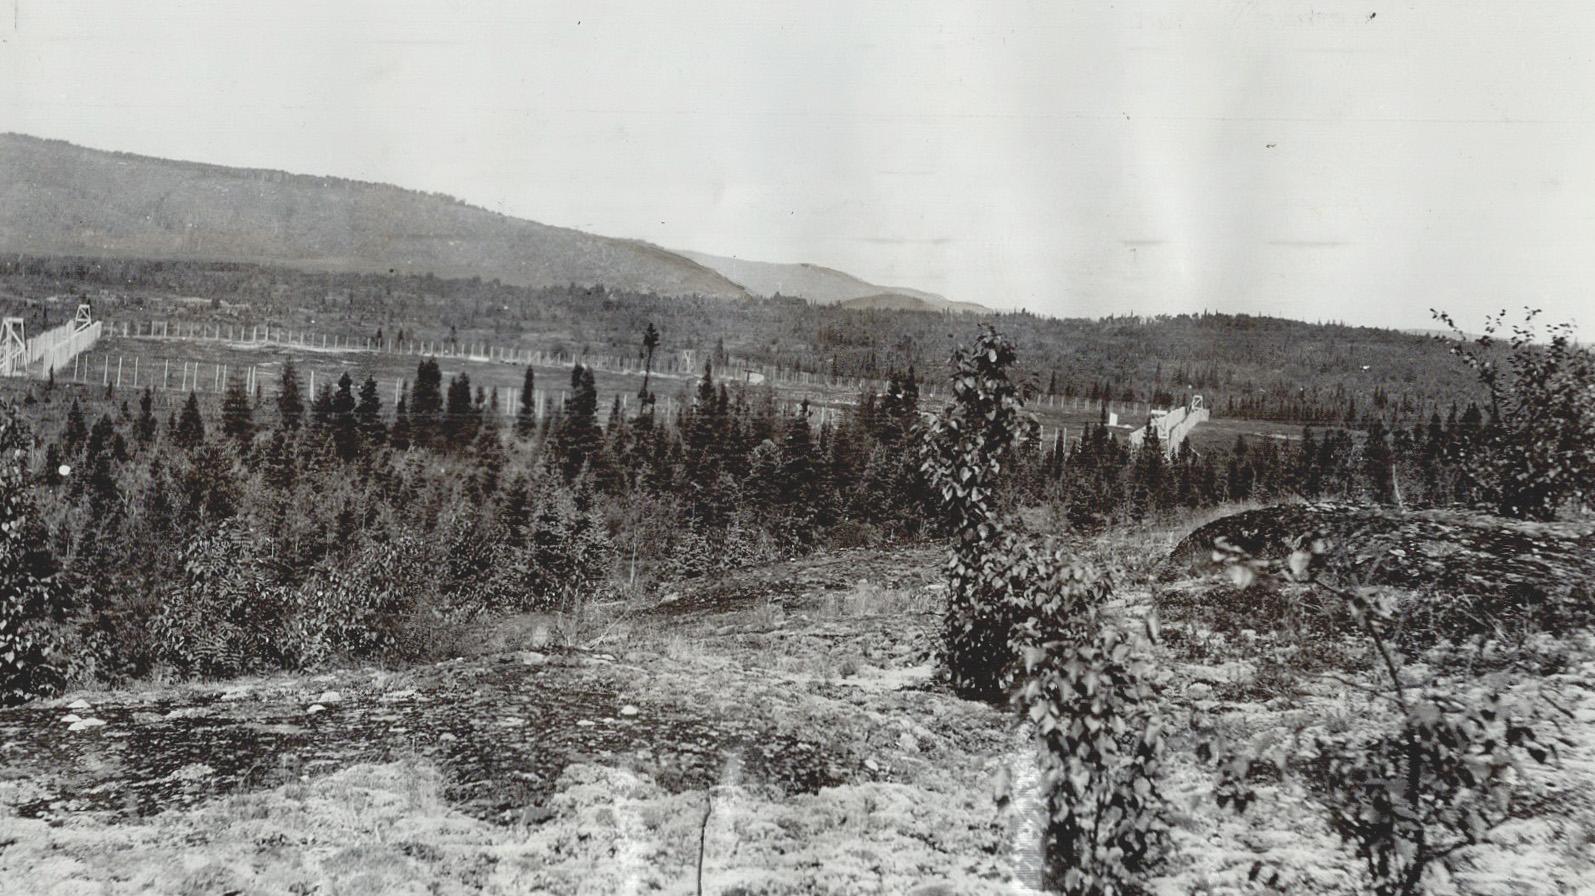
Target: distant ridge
x,y
823,285
60,199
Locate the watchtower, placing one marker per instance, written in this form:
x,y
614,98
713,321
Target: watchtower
x,y
13,347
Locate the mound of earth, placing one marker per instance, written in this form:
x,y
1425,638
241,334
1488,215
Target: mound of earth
x,y
1446,550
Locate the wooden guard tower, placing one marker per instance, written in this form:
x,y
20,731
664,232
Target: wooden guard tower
x,y
13,347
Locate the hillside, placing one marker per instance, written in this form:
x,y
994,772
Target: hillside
x,y
824,286
57,198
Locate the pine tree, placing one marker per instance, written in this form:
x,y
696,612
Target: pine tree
x,y
490,460
144,428
290,402
368,414
426,402
238,421
1377,461
190,431
650,341
345,435
460,415
76,431
579,440
401,436
526,414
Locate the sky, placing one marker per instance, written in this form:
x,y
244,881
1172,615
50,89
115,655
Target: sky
x,y
1326,160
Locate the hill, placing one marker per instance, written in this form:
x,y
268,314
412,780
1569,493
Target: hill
x,y
57,198
824,286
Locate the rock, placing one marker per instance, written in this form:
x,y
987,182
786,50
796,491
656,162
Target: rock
x,y
628,710
71,718
447,737
315,708
1199,691
1449,551
585,723
872,765
908,743
194,771
329,697
85,724
78,704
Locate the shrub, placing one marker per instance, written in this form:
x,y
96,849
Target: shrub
x,y
1084,685
1437,772
1086,690
30,604
965,452
1537,451
222,618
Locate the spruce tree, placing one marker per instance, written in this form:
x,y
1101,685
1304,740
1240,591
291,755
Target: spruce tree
x,y
190,431
526,413
237,417
345,435
1377,461
368,414
401,436
460,415
426,402
290,401
76,431
579,439
650,341
144,427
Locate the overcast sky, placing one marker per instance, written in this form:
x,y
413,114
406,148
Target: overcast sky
x,y
1319,160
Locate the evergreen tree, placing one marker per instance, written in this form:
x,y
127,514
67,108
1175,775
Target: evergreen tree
x,y
460,415
401,436
368,413
144,428
1241,475
526,414
490,460
290,403
190,431
238,421
650,341
426,402
578,440
1376,462
76,431
345,434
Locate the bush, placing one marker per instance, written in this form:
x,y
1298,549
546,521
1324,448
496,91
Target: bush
x,y
1537,451
30,605
966,451
1086,690
1084,685
1437,772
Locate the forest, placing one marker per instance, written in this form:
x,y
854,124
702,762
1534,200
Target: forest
x,y
369,529
1250,367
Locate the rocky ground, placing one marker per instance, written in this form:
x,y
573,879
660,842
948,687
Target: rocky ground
x,y
780,730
